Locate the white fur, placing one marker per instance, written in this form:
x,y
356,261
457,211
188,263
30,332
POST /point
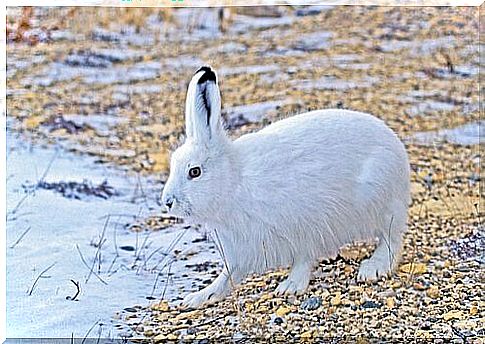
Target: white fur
x,y
292,193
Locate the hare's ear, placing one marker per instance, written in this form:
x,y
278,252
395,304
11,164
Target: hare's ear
x,y
203,107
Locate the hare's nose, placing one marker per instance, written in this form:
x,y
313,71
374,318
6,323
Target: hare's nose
x,y
169,202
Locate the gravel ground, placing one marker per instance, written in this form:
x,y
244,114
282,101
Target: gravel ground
x,y
437,291
116,91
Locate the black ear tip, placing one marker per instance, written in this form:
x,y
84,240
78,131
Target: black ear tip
x,y
209,74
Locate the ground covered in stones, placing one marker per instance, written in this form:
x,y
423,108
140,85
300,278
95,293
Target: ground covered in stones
x,y
115,90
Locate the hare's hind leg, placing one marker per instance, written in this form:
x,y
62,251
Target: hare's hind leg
x,y
297,280
388,251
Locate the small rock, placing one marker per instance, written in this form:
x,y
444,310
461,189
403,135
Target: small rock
x,y
311,10
278,320
311,303
371,304
390,303
161,306
238,336
419,286
336,300
455,314
172,336
282,311
433,292
306,335
125,335
148,333
160,338
130,309
413,268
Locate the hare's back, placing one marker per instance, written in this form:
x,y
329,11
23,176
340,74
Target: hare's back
x,y
333,144
332,131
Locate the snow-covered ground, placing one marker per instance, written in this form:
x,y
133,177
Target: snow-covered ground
x,y
47,233
467,134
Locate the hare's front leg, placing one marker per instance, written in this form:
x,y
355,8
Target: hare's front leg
x,y
297,280
214,292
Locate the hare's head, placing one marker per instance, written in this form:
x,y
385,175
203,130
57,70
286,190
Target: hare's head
x,y
201,169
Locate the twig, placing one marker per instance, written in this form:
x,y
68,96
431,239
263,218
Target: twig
x,y
111,266
48,168
116,251
87,265
41,275
151,255
100,331
78,290
168,278
89,331
137,255
142,191
115,243
170,262
136,243
100,243
172,245
22,200
21,237
115,214
155,283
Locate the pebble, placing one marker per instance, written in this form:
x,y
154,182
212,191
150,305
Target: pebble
x,y
131,310
433,292
306,335
454,314
278,321
390,302
311,303
419,286
336,300
371,304
282,311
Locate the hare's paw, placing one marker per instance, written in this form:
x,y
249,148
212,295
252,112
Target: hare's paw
x,y
205,296
297,281
289,286
372,269
214,292
193,300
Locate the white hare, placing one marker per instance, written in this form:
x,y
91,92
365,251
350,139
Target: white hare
x,y
289,194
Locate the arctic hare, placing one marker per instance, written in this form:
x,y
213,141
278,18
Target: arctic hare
x,y
289,194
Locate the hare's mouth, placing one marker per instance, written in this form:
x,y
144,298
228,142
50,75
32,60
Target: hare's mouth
x,y
180,209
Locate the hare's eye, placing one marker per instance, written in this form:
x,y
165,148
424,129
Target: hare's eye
x,y
194,172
